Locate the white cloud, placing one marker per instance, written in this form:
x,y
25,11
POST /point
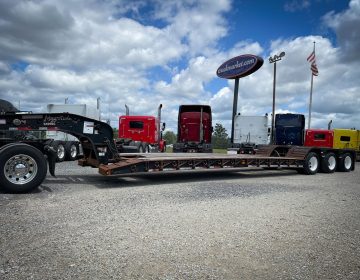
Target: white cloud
x,y
199,23
4,68
48,32
296,5
83,50
346,26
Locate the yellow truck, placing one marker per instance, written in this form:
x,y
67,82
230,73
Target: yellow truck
x,y
347,139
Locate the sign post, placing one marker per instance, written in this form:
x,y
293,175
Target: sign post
x,y
236,68
235,102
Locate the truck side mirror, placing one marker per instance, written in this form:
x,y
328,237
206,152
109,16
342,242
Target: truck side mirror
x,y
163,126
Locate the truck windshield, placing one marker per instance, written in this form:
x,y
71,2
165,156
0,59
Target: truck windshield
x,y
289,121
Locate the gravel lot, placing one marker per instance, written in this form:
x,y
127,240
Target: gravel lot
x,y
253,224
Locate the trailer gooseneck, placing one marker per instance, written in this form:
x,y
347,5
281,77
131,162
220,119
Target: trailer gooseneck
x,y
24,163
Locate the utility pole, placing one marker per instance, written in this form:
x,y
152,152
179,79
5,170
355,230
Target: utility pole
x,y
274,59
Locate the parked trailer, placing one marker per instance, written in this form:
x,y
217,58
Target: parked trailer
x,y
68,146
23,165
250,132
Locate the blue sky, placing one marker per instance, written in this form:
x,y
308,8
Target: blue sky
x,y
143,53
266,20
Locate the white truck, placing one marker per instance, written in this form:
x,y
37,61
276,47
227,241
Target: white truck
x,y
68,146
249,133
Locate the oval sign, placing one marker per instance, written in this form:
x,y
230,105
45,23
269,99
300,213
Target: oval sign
x,y
239,66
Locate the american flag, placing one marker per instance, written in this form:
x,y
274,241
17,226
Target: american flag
x,y
312,60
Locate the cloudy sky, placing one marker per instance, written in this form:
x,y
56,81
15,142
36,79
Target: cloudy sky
x,y
146,52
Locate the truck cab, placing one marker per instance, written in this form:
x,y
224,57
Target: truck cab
x,y
141,133
194,129
347,139
289,129
138,128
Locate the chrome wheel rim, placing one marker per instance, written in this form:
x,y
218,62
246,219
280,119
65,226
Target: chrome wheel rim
x,y
347,162
73,151
61,151
20,169
332,163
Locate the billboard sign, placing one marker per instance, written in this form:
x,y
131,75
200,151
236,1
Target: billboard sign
x,y
239,66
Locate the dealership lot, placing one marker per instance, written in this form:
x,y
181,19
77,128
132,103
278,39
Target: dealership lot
x,y
251,224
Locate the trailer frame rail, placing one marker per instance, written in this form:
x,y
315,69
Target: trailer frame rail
x,y
198,161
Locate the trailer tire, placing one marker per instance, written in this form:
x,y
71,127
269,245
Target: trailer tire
x,y
7,145
311,164
145,148
328,163
22,168
71,150
178,148
345,162
61,152
138,147
207,148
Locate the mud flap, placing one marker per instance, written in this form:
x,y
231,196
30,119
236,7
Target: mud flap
x,y
51,153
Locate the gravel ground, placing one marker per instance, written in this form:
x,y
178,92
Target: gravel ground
x,y
253,224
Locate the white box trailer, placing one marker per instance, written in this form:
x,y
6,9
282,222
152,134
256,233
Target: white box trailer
x,y
249,133
68,146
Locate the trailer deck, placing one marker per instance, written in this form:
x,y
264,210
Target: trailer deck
x,y
135,163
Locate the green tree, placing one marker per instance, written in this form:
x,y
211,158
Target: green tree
x,y
116,132
170,137
219,137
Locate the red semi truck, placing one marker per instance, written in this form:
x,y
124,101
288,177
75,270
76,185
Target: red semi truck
x,y
194,129
334,138
142,134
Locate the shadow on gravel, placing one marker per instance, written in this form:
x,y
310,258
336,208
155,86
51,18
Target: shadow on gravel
x,y
171,177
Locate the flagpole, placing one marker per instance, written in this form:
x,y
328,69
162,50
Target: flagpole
x,y
311,90
310,101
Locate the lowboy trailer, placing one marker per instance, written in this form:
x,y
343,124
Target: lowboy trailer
x,y
24,162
